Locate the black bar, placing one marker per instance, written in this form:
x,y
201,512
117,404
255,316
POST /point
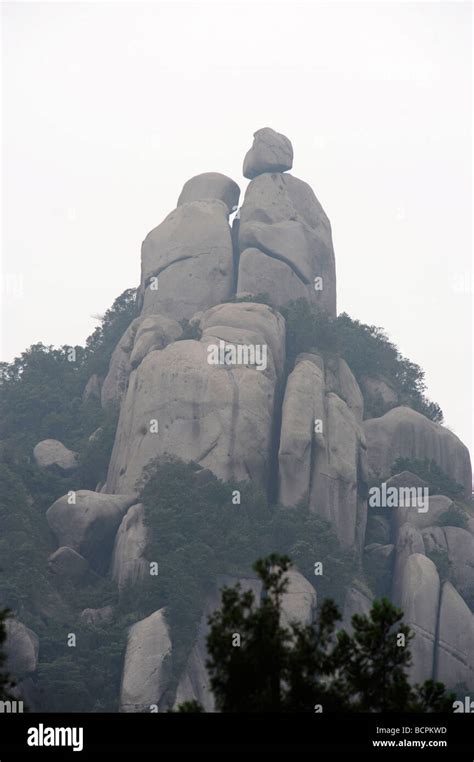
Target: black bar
x,y
125,734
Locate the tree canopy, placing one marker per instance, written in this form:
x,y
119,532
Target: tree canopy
x,y
311,667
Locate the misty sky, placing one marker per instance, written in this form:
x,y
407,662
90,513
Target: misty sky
x,y
109,108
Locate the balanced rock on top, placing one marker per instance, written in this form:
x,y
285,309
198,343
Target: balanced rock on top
x,y
271,152
210,185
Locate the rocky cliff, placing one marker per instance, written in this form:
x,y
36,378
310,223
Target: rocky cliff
x,y
202,374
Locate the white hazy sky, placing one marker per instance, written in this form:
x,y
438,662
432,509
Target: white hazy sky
x,y
108,108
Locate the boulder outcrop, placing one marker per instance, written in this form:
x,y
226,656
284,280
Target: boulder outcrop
x,y
143,335
404,433
282,220
458,546
210,186
97,617
147,665
271,152
87,522
52,455
68,564
418,597
190,254
322,446
128,564
219,415
21,648
455,658
299,601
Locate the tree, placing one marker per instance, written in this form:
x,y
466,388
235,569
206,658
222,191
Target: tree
x,y
258,665
5,681
366,349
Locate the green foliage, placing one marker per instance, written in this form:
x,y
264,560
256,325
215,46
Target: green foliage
x,y
102,342
300,667
24,545
378,571
438,481
41,391
86,677
41,397
190,707
95,452
197,534
366,349
455,516
441,560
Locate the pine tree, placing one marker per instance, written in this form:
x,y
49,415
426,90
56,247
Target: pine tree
x,y
258,665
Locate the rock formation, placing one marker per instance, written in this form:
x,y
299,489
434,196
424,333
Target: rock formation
x,y
271,152
128,563
52,455
87,522
177,403
322,455
202,374
22,646
285,243
147,665
405,433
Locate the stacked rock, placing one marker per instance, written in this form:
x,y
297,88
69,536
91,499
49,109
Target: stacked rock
x,y
285,237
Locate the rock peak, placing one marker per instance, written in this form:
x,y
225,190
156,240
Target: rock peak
x,y
271,152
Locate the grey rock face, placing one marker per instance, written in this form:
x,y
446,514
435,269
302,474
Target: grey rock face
x,y
147,665
261,322
357,602
402,432
21,648
299,601
154,332
340,380
93,387
271,152
381,552
89,525
194,683
282,220
303,404
419,599
261,273
97,616
67,563
378,529
210,186
128,564
409,540
52,455
416,515
379,392
143,335
455,655
323,466
116,381
191,254
458,544
219,416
